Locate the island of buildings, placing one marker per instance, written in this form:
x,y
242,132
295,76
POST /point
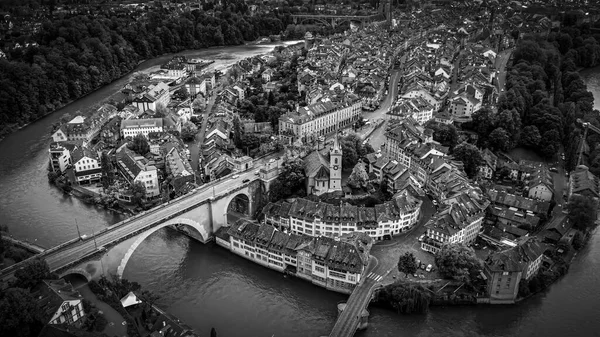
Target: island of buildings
x,y
441,77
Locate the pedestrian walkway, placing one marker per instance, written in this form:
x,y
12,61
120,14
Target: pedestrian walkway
x,y
375,277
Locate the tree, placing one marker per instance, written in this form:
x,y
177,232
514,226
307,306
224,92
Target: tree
x,y
582,212
290,181
500,140
524,288
405,298
182,93
199,103
189,131
407,264
484,121
107,170
19,315
458,262
470,156
139,144
359,177
531,136
33,273
138,193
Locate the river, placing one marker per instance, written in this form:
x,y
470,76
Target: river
x,y
206,286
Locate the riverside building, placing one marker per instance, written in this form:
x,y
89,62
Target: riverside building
x,y
336,264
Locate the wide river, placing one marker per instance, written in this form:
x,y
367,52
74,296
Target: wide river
x,y
206,286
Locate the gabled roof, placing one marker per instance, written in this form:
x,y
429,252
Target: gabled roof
x,y
314,162
50,295
517,258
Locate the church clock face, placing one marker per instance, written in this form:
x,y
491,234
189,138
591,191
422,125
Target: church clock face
x,y
335,167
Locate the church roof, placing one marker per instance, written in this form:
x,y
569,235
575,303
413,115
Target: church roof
x,y
314,162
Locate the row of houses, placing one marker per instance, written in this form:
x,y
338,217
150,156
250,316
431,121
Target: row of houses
x,y
302,216
336,264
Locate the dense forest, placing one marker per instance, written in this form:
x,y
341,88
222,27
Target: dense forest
x,y
76,55
545,96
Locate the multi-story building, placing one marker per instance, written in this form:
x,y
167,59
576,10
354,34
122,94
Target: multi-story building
x,y
417,108
322,118
336,264
505,270
155,95
133,127
303,216
195,86
86,165
76,129
540,185
457,222
59,302
405,145
136,168
464,105
60,155
583,182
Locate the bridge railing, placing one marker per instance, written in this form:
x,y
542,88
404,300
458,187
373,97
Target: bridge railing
x,y
21,264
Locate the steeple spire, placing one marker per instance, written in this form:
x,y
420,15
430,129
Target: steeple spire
x,y
336,144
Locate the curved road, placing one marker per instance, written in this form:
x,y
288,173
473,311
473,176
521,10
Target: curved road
x,y
79,249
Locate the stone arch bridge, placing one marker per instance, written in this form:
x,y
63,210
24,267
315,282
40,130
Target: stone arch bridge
x,y
198,215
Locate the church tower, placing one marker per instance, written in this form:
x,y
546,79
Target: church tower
x,y
335,166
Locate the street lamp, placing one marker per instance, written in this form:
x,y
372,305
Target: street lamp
x,y
78,233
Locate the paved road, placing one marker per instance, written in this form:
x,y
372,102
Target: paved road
x,y
378,137
348,320
77,250
501,61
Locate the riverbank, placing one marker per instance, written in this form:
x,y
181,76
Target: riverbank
x,y
9,129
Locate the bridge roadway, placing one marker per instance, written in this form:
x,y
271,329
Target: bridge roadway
x,y
64,255
333,16
348,320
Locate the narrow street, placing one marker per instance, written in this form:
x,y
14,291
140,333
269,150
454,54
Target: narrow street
x,y
196,145
378,137
501,62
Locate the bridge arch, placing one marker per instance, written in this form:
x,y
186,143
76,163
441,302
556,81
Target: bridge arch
x,y
316,20
77,271
236,200
190,224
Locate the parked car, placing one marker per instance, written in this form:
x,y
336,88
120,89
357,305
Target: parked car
x,y
245,181
418,263
423,266
429,267
235,176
